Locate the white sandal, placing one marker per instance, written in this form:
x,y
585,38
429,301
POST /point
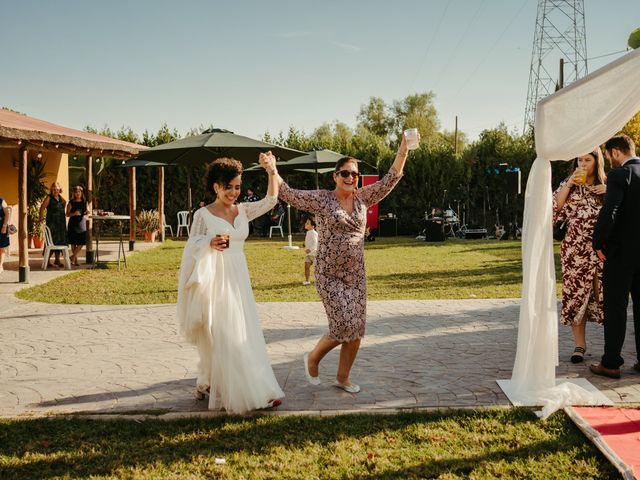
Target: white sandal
x,y
352,388
310,379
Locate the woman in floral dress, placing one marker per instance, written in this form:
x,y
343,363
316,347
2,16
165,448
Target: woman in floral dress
x,y
341,217
579,206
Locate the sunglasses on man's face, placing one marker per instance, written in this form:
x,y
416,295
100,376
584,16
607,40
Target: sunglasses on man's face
x,y
346,173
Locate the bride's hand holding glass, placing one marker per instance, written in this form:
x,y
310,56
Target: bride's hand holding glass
x,y
220,242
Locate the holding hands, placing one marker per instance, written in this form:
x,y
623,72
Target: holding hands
x,y
268,162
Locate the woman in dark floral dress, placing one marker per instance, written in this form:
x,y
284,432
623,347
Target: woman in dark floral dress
x,y
55,206
341,217
579,206
77,227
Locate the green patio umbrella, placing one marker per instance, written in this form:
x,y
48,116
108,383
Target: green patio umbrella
x,y
317,161
141,163
211,144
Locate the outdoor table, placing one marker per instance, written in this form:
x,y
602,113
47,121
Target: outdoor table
x,y
115,218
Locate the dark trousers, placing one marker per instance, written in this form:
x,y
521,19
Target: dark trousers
x,y
619,278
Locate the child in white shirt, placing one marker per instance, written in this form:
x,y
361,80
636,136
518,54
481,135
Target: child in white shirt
x,y
310,247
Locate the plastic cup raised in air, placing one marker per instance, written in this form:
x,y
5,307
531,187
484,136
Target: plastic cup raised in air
x,y
411,135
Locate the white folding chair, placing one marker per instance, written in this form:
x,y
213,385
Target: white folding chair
x,y
277,227
183,222
166,225
50,247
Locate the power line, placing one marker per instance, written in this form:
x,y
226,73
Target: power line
x,y
479,64
433,37
453,54
608,54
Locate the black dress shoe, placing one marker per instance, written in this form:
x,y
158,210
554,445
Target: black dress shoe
x,y
599,369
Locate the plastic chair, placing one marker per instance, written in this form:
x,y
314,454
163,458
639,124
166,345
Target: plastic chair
x,y
183,222
50,247
166,225
277,227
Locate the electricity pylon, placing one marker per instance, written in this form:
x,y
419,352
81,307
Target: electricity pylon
x,y
560,39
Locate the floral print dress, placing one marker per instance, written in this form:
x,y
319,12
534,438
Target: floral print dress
x,y
581,268
340,273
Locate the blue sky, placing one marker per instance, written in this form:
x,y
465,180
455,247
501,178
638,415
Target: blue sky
x,y
256,66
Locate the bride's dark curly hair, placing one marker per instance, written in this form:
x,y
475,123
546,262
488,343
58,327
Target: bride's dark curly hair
x,y
222,170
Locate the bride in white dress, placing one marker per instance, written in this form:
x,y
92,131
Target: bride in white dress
x,y
216,308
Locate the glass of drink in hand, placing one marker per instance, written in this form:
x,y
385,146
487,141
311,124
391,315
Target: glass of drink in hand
x,y
580,177
225,236
413,141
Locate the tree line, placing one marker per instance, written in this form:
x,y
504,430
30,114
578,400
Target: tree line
x,y
476,179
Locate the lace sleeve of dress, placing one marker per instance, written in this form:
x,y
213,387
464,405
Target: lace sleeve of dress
x,y
372,194
255,209
305,200
198,227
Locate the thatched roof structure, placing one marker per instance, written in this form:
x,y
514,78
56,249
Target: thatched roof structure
x,y
18,130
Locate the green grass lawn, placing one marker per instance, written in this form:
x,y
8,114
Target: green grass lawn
x,y
397,268
446,445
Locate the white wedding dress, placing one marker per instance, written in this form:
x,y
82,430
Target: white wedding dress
x,y
217,313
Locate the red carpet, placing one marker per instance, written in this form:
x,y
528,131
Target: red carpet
x,y
615,431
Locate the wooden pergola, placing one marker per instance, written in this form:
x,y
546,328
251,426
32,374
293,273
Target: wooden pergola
x,y
18,131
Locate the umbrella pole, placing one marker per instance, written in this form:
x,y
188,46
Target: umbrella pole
x,y
189,203
290,246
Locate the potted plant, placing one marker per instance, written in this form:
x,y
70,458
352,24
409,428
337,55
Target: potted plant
x,y
36,193
148,222
34,227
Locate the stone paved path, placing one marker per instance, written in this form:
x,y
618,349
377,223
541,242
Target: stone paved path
x,y
110,359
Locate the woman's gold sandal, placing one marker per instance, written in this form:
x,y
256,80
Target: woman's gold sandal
x,y
578,354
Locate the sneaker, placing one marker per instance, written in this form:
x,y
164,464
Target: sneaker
x,y
306,283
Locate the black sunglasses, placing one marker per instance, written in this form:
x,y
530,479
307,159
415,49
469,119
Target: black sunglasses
x,y
346,173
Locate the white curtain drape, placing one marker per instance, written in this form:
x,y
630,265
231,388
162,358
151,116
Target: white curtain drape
x,y
568,124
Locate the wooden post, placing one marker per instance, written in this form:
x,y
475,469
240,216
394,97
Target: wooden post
x,y
455,138
132,207
89,249
23,210
161,201
189,200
